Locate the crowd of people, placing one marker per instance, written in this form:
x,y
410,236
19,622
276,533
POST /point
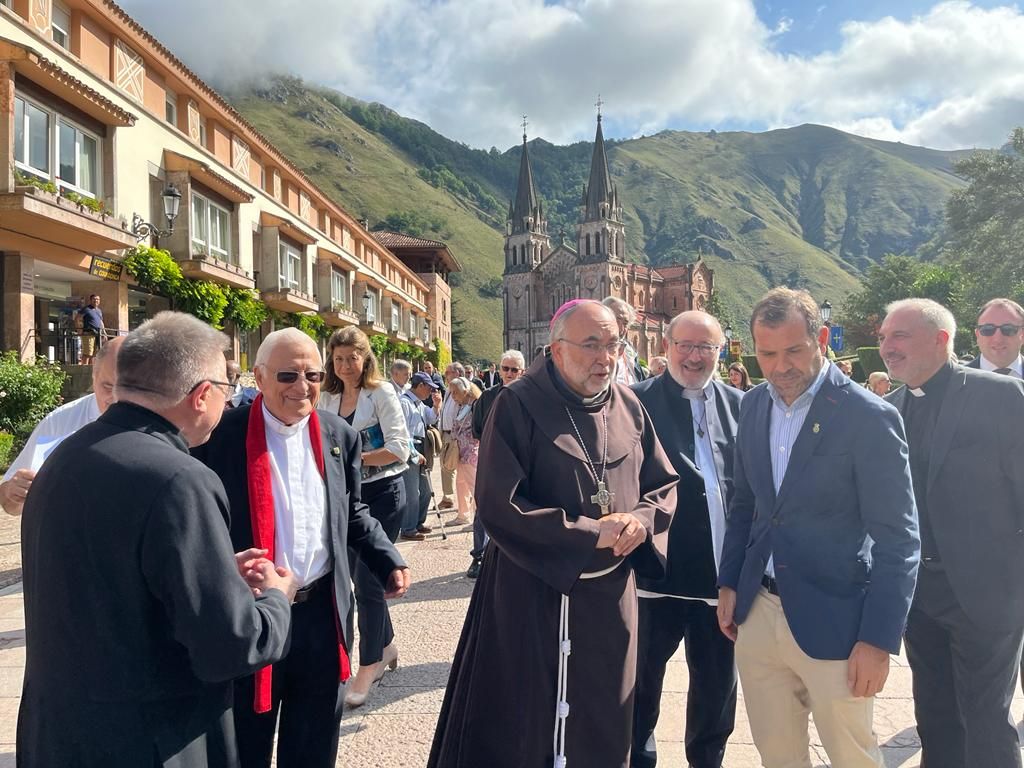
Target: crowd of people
x,y
792,535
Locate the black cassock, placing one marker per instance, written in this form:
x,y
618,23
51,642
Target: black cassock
x,y
136,617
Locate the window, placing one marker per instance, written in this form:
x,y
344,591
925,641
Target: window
x,y
211,227
339,290
412,326
171,108
290,266
396,317
45,140
60,25
76,157
371,307
202,132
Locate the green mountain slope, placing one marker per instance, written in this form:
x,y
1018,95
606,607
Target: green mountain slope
x,y
808,206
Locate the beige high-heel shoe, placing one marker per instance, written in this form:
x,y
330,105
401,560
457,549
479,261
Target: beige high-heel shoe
x,y
356,696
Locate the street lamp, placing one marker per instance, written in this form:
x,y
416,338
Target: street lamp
x,y
142,229
366,306
826,311
728,332
426,331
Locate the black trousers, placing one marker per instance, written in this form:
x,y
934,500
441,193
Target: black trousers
x,y
964,679
305,692
386,500
711,700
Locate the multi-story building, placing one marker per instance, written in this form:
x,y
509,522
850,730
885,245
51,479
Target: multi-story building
x,y
94,107
538,278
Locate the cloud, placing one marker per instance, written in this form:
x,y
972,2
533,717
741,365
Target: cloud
x,y
469,68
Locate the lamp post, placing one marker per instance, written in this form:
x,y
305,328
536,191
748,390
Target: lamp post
x,y
142,229
826,312
426,332
366,307
728,332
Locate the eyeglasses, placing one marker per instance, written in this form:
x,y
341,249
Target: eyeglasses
x,y
290,377
509,369
593,348
1007,329
685,348
215,383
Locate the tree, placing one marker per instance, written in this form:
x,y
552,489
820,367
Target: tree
x,y
898,277
986,223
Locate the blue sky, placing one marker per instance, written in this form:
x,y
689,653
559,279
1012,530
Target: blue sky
x,y
945,74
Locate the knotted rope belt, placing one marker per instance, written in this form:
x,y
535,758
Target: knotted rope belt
x,y
564,649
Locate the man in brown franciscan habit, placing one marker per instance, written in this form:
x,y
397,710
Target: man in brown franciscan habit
x,y
577,496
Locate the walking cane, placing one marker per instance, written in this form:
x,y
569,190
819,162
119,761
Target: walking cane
x,y
440,520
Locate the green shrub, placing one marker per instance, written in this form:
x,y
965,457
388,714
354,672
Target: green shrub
x,y
870,360
6,443
27,392
202,299
245,310
750,363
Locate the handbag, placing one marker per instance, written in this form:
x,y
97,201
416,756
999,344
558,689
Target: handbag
x,y
450,455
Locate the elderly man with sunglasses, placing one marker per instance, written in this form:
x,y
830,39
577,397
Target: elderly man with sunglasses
x,y
291,473
512,366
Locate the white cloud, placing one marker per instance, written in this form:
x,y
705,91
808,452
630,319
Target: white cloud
x,y
470,68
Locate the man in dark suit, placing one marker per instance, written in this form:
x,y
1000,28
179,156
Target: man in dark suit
x,y
821,547
966,623
513,365
292,476
136,616
490,377
1000,336
695,418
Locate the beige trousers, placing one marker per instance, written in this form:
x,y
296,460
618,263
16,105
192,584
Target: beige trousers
x,y
447,475
782,685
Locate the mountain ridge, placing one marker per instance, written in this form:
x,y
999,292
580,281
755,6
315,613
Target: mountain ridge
x,y
808,206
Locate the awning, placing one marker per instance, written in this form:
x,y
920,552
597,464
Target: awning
x,y
345,259
206,176
287,227
48,75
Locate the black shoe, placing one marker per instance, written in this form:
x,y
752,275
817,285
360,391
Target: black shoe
x,y
412,536
424,528
474,568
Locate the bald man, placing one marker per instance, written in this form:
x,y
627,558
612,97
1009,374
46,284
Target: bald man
x,y
695,416
577,496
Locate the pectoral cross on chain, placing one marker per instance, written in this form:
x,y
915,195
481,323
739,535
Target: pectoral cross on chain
x,y
603,498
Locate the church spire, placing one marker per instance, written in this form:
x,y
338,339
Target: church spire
x,y
526,205
599,190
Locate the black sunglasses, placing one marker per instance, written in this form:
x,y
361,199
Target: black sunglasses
x,y
290,377
507,369
1007,329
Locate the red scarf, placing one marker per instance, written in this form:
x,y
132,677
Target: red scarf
x,y
261,510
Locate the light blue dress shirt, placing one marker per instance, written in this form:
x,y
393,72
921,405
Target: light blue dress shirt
x,y
784,428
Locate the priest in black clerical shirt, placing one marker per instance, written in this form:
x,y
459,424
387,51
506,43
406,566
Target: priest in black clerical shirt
x,y
966,622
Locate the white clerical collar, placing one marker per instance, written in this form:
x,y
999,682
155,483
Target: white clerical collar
x,y
1017,366
916,391
279,427
699,394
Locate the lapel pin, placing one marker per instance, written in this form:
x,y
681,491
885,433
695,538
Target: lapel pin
x,y
335,451
817,428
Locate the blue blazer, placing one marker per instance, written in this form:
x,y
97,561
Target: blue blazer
x,y
843,527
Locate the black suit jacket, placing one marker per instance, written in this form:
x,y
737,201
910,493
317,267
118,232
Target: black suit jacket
x,y
349,519
482,409
975,493
691,570
490,379
136,617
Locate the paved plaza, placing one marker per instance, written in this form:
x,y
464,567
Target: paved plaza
x,y
395,727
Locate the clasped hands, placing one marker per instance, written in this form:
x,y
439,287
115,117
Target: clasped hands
x,y
620,532
261,574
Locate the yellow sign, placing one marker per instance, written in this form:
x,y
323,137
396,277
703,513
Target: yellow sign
x,y
106,268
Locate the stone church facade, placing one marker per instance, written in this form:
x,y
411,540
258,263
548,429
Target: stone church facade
x,y
539,276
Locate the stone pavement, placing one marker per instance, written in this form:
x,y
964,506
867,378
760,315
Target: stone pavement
x,y
395,727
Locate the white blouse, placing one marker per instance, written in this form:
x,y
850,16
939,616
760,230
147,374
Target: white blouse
x,y
377,406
